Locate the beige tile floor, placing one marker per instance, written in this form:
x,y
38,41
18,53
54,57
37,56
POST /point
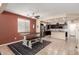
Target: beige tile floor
x,y
5,50
56,47
59,47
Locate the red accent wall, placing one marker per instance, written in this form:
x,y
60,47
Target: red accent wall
x,y
8,27
32,22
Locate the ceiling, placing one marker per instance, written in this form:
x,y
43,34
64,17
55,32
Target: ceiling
x,y
45,10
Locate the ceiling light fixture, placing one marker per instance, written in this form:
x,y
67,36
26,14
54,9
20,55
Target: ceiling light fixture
x,y
0,4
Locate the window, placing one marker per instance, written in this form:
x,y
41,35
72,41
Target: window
x,y
23,25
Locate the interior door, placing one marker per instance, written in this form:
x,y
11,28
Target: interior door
x,y
77,34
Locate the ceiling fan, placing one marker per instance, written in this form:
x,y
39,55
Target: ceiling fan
x,y
35,14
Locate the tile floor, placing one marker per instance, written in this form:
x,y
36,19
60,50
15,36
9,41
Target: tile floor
x,y
5,50
58,46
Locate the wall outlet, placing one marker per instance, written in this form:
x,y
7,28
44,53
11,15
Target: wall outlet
x,y
15,38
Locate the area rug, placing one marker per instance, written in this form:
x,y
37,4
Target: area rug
x,y
20,49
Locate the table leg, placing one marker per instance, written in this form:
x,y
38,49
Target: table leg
x,y
30,44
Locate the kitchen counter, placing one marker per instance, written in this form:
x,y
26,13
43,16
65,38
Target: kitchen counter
x,y
58,30
58,35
